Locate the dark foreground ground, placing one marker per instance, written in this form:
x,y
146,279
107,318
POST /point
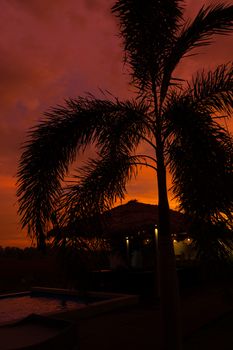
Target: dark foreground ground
x,y
207,324
207,312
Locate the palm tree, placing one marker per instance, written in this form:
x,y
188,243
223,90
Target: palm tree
x,y
201,156
164,115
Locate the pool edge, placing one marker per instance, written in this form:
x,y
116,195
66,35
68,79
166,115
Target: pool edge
x,y
115,301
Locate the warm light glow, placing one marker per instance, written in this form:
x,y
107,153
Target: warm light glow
x,y
146,241
127,246
156,238
188,241
174,241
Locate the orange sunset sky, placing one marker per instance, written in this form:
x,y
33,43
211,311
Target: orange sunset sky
x,y
51,50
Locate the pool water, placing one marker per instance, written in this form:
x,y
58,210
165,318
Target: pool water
x,y
14,308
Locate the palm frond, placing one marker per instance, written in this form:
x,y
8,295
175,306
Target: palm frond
x,y
98,185
212,242
53,144
148,28
213,90
210,20
201,161
125,128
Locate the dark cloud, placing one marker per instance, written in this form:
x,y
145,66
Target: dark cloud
x,y
93,4
51,50
43,9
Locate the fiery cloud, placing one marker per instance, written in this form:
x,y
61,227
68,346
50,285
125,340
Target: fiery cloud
x,y
51,50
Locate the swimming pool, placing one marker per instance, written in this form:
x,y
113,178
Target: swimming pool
x,y
62,303
16,306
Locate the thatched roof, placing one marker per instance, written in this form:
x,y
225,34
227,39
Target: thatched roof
x,y
134,216
123,220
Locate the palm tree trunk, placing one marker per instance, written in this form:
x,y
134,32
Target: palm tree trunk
x,y
41,245
169,294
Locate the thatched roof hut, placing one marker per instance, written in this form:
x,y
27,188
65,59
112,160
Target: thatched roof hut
x,y
134,217
131,218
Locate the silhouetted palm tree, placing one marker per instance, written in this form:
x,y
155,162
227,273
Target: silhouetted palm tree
x,y
168,115
201,159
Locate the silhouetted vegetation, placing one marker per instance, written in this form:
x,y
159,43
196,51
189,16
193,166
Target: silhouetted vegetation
x,y
172,117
